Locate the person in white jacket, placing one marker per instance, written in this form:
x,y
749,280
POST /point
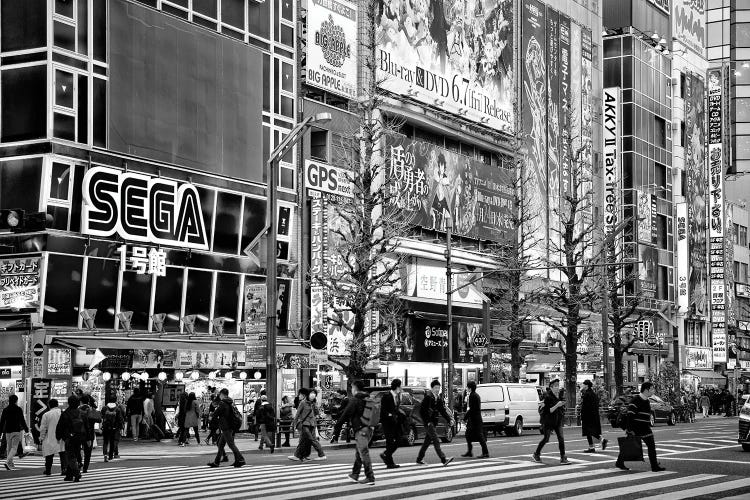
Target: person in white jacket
x,y
50,444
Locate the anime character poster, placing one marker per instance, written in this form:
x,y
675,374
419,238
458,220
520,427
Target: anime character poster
x,y
435,187
456,55
565,100
154,358
697,185
534,114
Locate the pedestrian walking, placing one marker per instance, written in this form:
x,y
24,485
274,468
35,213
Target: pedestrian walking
x,y
148,418
591,425
135,413
285,419
639,424
432,407
266,418
256,407
191,420
305,423
112,419
48,435
180,420
91,416
705,403
474,422
72,429
391,418
354,415
13,425
552,416
229,421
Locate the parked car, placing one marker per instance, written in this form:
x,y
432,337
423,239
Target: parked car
x,y
661,411
743,432
413,427
510,407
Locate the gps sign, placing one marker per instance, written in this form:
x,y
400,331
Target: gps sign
x,y
137,207
328,179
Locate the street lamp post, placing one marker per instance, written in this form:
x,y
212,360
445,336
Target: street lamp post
x,y
449,303
271,251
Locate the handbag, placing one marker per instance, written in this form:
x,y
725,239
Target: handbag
x,y
631,449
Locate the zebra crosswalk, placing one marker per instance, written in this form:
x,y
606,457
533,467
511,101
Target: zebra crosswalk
x,y
479,478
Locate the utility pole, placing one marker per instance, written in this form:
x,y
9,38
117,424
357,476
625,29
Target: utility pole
x,y
449,301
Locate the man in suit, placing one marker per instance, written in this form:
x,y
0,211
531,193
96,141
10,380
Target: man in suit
x,y
391,417
474,423
430,411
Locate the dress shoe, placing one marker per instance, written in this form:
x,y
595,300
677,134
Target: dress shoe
x,y
447,461
658,468
392,466
212,464
467,454
621,466
485,455
238,464
604,444
353,478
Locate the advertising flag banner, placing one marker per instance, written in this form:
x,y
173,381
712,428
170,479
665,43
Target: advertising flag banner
x,y
456,55
332,46
255,329
553,123
434,185
565,103
697,194
689,24
19,283
534,114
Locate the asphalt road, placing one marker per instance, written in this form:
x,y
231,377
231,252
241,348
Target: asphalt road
x,y
702,459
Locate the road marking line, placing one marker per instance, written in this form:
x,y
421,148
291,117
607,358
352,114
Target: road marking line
x,y
705,460
705,490
701,450
636,488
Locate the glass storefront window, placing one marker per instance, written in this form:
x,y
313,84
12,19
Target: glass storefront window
x,y
226,300
24,102
65,36
168,298
20,183
253,221
226,231
63,290
198,298
136,297
23,25
101,289
64,89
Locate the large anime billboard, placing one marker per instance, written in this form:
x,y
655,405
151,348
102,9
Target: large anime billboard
x,y
456,55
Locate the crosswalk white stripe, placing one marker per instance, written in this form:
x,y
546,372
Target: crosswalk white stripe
x,y
702,443
514,480
672,445
636,488
11,482
704,490
431,483
568,485
195,474
662,449
395,478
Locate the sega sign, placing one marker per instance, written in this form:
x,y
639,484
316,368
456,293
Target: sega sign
x,y
328,179
137,207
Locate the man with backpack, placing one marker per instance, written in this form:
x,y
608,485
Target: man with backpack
x,y
431,409
229,420
112,420
362,414
72,429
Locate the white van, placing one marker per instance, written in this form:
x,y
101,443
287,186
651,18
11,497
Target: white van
x,y
510,407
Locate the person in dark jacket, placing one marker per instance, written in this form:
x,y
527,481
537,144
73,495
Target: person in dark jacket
x,y
266,418
112,420
391,418
72,429
352,415
92,416
13,425
432,407
135,413
285,419
591,425
256,424
474,423
224,415
182,433
552,421
639,424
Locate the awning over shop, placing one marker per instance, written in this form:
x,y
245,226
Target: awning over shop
x,y
542,363
13,324
707,376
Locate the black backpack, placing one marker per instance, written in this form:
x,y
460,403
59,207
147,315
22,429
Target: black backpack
x,y
236,418
109,418
77,425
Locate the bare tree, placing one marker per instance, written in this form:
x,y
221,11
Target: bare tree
x,y
361,279
573,258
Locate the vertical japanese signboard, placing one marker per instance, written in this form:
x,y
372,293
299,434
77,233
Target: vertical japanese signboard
x,y
682,257
716,215
41,389
255,324
612,161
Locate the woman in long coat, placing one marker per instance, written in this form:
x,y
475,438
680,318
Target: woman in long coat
x,y
192,418
591,425
50,444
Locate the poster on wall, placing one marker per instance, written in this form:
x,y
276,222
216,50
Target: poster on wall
x,y
456,55
154,358
553,120
434,186
689,24
534,115
255,323
587,112
565,103
332,46
729,277
647,270
59,362
19,283
697,192
646,205
698,357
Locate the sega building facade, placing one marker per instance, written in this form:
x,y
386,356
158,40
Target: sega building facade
x,y
155,188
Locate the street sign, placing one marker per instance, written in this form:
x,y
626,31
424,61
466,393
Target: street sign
x,y
318,357
38,349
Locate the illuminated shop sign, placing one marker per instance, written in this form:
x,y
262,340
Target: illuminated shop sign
x,y
141,208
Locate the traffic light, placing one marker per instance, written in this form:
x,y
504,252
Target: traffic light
x,y
17,220
11,218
